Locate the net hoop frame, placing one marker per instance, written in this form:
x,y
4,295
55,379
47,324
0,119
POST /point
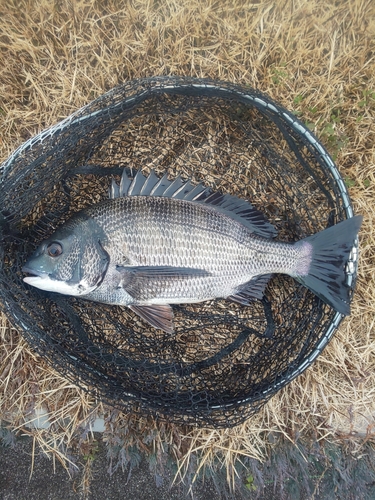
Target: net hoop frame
x,y
249,97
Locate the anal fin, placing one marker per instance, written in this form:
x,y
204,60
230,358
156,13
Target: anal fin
x,y
157,315
252,290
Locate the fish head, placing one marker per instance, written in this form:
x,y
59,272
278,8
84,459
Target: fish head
x,y
71,262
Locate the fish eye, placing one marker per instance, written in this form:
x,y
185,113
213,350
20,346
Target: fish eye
x,y
54,249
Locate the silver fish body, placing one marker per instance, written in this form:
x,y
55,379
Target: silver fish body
x,y
218,253
147,248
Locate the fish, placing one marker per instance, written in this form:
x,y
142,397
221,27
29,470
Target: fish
x,y
157,242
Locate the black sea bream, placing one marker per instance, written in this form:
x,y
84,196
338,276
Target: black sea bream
x,y
156,243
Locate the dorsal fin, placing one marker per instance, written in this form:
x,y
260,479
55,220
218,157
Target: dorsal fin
x,y
155,186
237,209
242,211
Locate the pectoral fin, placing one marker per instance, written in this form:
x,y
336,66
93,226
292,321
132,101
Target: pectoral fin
x,y
158,316
146,282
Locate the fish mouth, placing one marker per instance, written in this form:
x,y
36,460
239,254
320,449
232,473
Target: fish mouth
x,y
33,275
43,281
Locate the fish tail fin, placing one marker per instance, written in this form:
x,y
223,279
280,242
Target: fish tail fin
x,y
323,264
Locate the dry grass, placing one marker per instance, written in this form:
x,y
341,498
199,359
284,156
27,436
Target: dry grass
x,y
315,57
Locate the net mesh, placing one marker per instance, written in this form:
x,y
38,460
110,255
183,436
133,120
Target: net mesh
x,y
224,360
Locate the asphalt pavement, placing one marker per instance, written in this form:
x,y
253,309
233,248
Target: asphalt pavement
x,y
50,481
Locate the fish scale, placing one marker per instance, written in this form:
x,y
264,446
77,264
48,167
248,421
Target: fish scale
x,y
201,239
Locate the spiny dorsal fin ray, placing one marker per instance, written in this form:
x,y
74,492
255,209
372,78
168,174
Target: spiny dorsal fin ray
x,y
137,184
160,186
237,209
174,188
191,193
149,184
124,184
114,190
